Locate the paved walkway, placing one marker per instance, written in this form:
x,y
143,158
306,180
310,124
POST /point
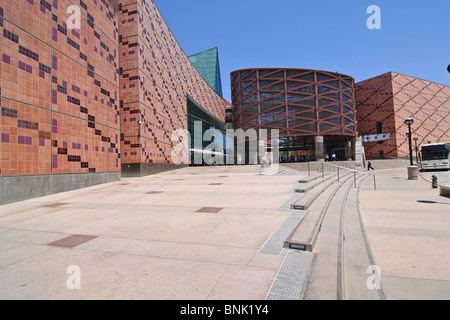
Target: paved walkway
x,y
408,226
196,233
192,233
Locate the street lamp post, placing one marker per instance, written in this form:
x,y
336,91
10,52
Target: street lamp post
x,y
417,149
410,122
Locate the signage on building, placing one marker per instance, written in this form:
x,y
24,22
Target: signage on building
x,y
376,137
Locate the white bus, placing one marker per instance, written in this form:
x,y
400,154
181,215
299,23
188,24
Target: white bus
x,y
436,156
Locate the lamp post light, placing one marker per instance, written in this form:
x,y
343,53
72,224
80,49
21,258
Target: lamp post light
x,y
410,122
417,150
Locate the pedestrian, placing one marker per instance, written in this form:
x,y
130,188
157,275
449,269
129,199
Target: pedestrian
x,y
369,166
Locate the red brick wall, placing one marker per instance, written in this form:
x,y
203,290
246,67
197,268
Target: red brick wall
x,y
427,103
63,101
156,77
59,88
391,98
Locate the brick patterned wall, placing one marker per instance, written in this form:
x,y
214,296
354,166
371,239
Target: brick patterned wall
x,y
59,88
391,98
427,103
156,77
59,91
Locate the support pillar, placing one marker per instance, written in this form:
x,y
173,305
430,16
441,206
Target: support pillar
x,y
360,157
319,146
348,150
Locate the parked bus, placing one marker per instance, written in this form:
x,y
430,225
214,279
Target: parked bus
x,y
436,156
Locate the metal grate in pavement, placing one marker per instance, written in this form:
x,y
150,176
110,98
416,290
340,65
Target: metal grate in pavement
x,y
289,281
287,205
274,245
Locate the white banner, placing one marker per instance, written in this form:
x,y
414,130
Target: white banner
x,y
376,137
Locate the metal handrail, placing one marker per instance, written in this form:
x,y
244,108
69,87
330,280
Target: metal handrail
x,y
354,173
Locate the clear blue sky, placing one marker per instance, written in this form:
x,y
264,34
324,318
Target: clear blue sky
x,y
331,35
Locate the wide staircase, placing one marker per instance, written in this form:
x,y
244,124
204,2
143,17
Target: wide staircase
x,y
331,233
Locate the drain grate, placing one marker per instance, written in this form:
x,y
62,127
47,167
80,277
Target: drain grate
x,y
289,281
274,245
287,205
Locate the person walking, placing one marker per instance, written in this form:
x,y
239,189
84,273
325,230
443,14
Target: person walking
x,y
369,166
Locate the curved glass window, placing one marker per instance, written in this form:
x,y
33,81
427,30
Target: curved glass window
x,y
293,101
323,77
324,102
309,89
307,77
324,89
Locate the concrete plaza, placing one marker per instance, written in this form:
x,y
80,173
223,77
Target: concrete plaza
x,y
192,233
196,233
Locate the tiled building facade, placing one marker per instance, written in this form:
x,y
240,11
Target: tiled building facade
x,y
59,97
79,104
156,80
385,101
87,105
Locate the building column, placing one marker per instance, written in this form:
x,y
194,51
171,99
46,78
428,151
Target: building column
x,y
360,157
319,146
253,153
348,150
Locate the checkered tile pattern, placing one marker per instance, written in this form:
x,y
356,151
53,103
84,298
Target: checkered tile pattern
x,y
59,88
156,77
390,99
65,97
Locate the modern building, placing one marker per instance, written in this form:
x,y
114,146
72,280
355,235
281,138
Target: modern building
x,y
314,111
88,104
207,64
228,116
161,91
384,102
60,117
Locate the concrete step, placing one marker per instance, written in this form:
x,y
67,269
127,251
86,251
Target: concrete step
x,y
305,202
326,275
357,255
314,183
305,234
342,256
277,170
312,177
316,166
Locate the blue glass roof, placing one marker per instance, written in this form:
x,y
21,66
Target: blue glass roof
x,y
207,65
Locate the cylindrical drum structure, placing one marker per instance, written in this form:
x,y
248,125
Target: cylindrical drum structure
x,y
302,104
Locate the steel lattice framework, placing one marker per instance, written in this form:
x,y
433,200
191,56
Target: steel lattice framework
x,y
298,102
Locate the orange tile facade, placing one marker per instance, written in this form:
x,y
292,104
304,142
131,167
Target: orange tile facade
x,y
391,98
71,100
59,88
156,77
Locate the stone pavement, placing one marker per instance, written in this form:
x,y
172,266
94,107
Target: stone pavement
x,y
408,226
196,234
192,233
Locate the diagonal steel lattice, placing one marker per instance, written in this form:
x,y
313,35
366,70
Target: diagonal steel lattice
x,y
298,102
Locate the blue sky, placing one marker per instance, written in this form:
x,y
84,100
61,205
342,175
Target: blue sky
x,y
331,35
